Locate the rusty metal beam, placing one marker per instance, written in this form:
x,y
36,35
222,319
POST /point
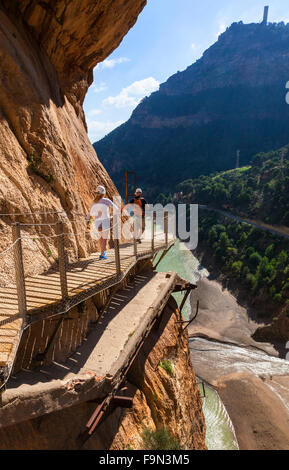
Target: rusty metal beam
x,y
123,402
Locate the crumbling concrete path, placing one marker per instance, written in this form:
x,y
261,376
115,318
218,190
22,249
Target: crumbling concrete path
x,y
96,367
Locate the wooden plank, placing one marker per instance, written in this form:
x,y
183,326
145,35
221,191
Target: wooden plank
x,y
87,277
8,332
93,269
5,306
13,324
90,285
45,289
3,359
6,347
11,290
46,280
33,297
10,301
40,284
7,313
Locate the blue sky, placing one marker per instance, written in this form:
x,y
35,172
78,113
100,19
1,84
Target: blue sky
x,y
169,36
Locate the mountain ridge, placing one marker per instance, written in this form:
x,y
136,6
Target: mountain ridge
x,y
232,98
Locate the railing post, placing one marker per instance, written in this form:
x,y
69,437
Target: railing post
x,y
116,244
19,271
153,231
166,227
134,238
62,260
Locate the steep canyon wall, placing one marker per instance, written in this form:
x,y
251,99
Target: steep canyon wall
x,y
48,50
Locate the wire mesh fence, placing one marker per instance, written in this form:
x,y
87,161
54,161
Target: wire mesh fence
x,y
48,268
47,264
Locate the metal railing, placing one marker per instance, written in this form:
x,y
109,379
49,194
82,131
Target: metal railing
x,y
71,293
64,267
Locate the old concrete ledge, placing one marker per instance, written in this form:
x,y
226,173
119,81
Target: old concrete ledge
x,y
96,368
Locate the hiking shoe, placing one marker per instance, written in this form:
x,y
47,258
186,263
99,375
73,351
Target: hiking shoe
x,y
103,257
138,240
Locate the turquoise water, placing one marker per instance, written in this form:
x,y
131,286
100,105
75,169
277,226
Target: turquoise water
x,y
220,433
182,261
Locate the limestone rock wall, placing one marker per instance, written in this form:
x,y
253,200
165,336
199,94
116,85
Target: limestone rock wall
x,y
47,53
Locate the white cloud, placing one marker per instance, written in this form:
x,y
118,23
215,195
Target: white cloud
x,y
133,94
94,112
222,28
98,129
99,88
110,63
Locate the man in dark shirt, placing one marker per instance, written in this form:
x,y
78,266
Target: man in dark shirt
x,y
139,213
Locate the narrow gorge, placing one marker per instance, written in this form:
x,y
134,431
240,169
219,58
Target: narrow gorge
x,y
48,167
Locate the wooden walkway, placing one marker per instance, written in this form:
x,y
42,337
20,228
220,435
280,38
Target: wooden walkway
x,y
44,295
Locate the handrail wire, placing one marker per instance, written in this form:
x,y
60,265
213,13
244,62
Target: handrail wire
x,y
119,275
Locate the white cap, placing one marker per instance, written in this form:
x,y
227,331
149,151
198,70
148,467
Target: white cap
x,y
138,190
100,190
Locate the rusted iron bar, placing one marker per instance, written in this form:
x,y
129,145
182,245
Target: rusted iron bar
x,y
123,402
100,415
192,319
164,253
62,260
127,195
19,271
95,414
184,301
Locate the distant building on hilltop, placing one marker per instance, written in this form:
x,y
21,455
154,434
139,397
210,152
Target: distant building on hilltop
x,y
265,17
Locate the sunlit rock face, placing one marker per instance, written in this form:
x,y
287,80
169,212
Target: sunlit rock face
x,y
48,50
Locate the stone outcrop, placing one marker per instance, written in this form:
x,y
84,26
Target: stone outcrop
x,y
47,52
277,331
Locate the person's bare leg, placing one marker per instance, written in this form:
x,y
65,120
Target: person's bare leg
x,y
102,243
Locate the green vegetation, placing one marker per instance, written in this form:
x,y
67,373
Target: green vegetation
x,y
259,260
167,365
36,165
258,191
161,439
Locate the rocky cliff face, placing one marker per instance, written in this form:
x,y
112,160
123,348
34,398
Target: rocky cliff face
x,y
232,98
163,399
47,51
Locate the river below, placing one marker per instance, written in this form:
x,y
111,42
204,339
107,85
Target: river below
x,y
247,385
220,434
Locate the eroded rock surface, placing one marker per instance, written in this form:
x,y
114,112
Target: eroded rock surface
x,y
47,53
